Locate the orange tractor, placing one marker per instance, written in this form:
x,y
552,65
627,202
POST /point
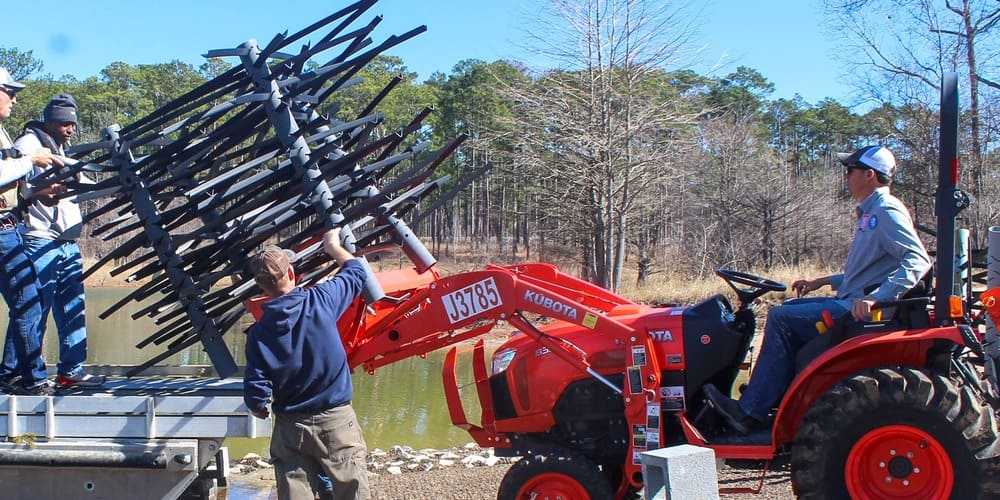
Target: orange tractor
x,y
888,409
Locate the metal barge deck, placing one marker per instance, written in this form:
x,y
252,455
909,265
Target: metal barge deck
x,y
145,437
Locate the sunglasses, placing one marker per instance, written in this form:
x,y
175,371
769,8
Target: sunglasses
x,y
10,92
848,168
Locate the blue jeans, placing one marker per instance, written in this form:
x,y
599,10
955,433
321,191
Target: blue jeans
x,y
789,327
323,484
60,278
22,348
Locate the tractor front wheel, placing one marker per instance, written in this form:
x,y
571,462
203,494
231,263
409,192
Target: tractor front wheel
x,y
565,475
896,433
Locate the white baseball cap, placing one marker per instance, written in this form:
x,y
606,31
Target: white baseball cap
x,y
7,81
877,158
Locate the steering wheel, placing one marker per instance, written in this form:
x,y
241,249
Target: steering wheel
x,y
758,285
750,280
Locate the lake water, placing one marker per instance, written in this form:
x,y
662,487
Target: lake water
x,y
402,403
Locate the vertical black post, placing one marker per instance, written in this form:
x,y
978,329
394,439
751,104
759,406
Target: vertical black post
x,y
162,243
950,199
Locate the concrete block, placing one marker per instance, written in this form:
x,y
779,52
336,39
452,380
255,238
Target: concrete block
x,y
682,472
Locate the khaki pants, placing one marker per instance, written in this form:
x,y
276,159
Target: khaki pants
x,y
305,444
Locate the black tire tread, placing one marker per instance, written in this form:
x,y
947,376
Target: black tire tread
x,y
909,391
580,468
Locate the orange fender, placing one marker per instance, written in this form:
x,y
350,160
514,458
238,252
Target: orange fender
x,y
899,348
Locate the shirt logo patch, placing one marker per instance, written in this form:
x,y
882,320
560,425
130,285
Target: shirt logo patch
x,y
873,222
863,222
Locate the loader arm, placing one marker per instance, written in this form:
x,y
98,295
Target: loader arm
x,y
468,305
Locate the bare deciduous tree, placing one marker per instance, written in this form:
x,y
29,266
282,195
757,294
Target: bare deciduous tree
x,y
900,49
599,129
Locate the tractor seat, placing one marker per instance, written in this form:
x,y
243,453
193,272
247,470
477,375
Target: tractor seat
x,y
909,312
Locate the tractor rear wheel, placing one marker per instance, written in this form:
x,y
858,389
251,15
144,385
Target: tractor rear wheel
x,y
564,475
896,433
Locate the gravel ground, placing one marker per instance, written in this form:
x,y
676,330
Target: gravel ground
x,y
481,482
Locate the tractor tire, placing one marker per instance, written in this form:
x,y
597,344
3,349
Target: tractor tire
x,y
563,475
896,433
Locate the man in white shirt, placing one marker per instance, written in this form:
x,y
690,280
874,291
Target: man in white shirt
x,y
23,370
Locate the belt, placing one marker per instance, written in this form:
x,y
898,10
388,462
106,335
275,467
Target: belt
x,y
8,223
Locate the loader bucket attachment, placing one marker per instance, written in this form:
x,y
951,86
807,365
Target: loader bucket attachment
x,y
486,434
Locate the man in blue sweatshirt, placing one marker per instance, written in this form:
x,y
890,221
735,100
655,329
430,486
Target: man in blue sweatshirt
x,y
295,355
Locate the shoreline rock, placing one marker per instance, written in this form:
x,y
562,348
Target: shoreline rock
x,y
402,459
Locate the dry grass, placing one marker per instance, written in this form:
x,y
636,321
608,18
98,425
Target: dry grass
x,y
667,287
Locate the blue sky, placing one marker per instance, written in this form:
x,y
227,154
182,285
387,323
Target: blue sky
x,y
783,39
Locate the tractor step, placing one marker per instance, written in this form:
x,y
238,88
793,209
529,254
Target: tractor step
x,y
759,437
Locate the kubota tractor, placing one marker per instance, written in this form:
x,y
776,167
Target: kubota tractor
x,y
887,409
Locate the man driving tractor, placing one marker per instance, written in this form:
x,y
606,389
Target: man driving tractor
x,y
886,259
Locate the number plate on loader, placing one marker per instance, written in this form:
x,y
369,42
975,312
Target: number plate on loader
x,y
474,299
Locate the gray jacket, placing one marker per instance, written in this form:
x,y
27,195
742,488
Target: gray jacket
x,y
60,222
886,253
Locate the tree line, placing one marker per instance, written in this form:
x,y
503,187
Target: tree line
x,y
618,155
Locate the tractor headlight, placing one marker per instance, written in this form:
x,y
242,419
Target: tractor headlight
x,y
502,359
